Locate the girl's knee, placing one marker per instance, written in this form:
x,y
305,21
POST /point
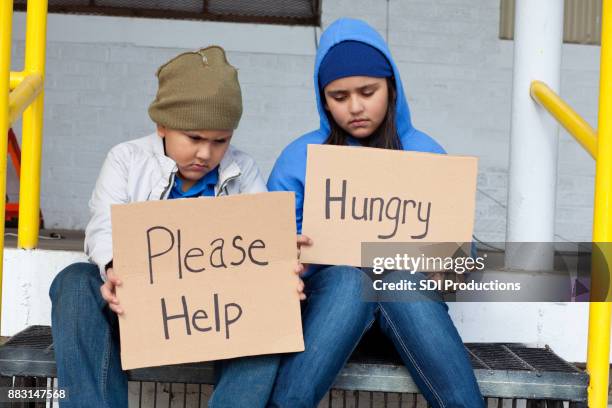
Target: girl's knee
x,y
345,278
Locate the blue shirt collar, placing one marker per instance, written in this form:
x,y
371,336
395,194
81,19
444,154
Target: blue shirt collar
x,y
203,187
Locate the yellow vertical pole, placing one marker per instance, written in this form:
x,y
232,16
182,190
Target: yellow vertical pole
x,y
598,355
6,27
31,145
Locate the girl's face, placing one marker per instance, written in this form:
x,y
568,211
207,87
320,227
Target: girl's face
x,y
196,152
358,104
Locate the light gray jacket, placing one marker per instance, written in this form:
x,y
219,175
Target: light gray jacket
x,y
138,170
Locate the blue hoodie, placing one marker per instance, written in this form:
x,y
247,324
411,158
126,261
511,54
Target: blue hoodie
x,y
289,170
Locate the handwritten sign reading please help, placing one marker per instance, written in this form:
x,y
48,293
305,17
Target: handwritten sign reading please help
x,y
206,278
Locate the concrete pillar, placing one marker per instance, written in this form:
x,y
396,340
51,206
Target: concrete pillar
x,y
538,39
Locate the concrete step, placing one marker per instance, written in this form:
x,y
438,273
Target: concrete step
x,y
503,370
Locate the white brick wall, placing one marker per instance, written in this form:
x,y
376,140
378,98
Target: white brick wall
x,y
456,72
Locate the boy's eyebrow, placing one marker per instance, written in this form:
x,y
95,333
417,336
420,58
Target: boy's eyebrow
x,y
187,133
218,138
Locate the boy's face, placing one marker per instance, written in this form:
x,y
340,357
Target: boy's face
x,y
358,104
196,152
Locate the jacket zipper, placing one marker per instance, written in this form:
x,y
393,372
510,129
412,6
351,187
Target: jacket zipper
x,y
169,186
222,188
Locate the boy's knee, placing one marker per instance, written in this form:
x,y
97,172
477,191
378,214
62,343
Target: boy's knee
x,y
73,277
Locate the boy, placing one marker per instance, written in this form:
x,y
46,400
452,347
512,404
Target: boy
x,y
197,107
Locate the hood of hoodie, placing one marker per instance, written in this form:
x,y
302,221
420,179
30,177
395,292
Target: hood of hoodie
x,y
346,29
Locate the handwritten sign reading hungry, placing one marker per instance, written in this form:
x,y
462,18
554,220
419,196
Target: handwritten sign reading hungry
x,y
356,195
206,278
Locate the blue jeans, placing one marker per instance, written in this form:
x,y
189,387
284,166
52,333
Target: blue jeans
x,y
335,318
86,340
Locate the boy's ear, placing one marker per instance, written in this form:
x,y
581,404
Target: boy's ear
x,y
161,131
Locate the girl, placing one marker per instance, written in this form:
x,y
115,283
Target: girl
x,y
361,102
197,107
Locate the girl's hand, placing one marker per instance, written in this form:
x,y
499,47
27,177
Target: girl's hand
x,y
301,240
108,291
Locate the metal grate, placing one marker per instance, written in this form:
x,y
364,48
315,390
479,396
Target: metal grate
x,y
509,375
512,356
34,337
291,12
375,348
497,357
542,359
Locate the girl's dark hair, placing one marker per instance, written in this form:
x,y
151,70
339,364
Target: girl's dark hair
x,y
385,137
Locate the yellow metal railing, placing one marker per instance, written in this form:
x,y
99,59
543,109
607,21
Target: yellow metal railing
x,y
31,141
6,14
23,95
22,92
598,354
599,146
566,116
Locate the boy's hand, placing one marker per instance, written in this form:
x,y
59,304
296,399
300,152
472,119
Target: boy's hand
x,y
301,240
108,291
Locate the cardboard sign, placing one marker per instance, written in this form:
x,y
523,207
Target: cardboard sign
x,y
356,195
206,278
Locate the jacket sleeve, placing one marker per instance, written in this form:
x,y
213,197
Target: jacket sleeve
x,y
111,188
285,176
251,180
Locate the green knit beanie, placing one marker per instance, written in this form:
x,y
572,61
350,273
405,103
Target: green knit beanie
x,y
198,90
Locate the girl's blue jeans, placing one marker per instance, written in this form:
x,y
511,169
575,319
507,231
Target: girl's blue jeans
x,y
334,319
86,341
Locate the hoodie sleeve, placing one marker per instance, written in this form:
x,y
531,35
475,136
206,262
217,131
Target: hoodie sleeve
x,y
421,142
111,188
288,175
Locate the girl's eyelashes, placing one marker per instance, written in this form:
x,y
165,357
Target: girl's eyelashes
x,y
221,141
336,96
369,91
339,97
